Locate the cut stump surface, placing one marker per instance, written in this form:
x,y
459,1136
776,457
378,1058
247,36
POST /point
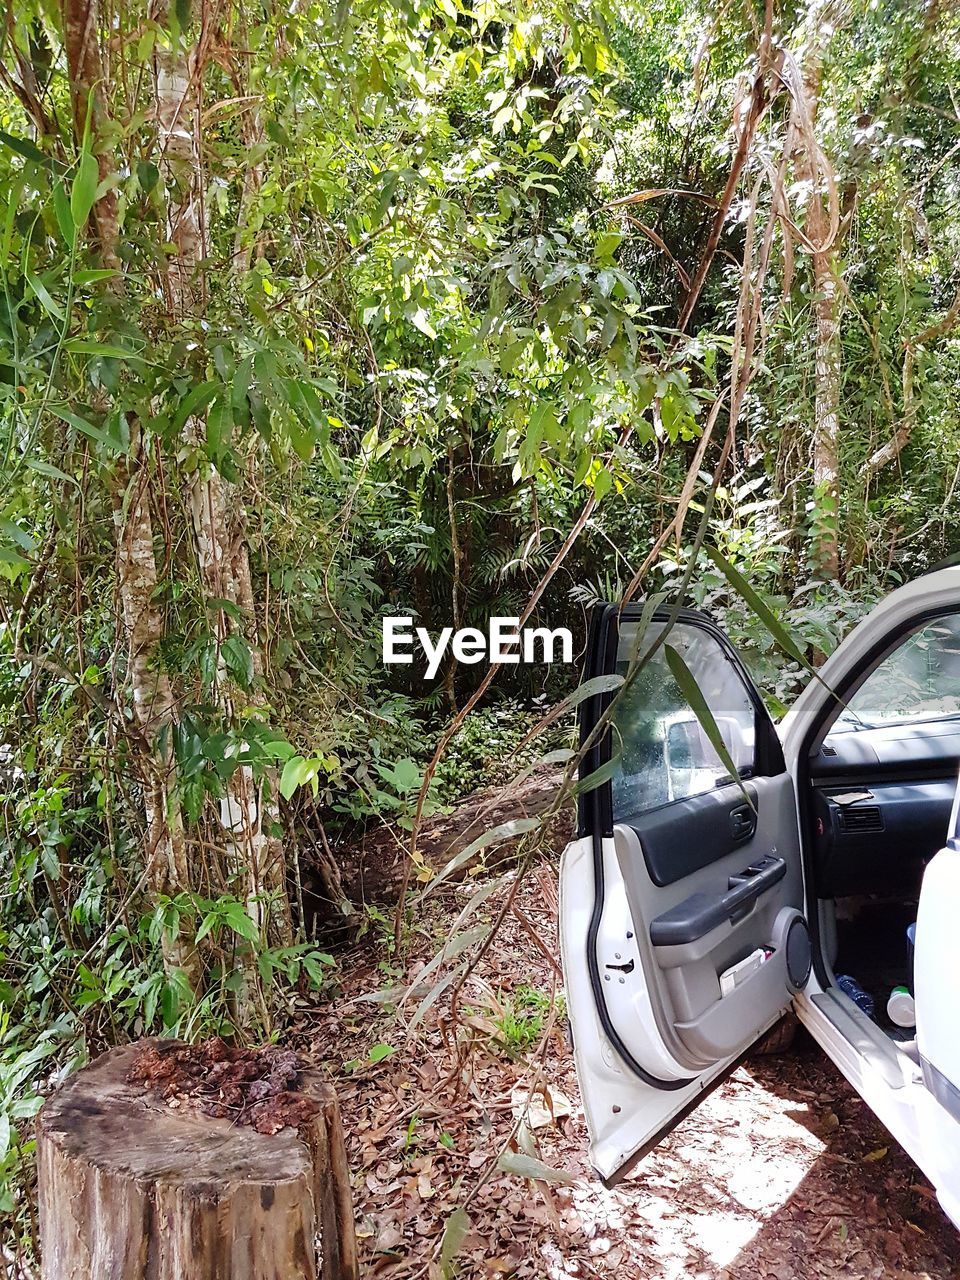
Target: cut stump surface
x,y
134,1189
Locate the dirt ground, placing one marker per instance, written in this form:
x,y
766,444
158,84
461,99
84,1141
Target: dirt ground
x,y
783,1172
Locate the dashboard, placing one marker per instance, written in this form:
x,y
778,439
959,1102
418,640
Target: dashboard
x,y
882,799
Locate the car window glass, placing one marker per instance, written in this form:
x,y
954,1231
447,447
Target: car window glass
x,y
918,681
662,751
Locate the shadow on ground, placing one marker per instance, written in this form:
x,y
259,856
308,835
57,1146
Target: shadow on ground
x,y
788,1175
781,1173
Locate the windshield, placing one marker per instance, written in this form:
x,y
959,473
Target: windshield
x,y
918,681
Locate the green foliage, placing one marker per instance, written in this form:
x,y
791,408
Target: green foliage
x,y
487,751
419,336
522,1019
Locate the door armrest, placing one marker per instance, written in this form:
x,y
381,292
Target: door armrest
x,y
697,915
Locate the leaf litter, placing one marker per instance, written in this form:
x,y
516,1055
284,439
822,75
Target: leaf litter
x,y
250,1086
470,1158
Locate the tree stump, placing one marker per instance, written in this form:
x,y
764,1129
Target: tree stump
x,y
132,1189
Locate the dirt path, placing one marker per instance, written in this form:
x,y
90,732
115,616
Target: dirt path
x,y
783,1172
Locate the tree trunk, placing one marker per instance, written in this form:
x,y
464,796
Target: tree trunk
x,y
166,857
81,39
132,1189
255,853
826,425
898,441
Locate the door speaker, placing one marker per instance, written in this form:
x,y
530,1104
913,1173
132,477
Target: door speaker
x,y
790,933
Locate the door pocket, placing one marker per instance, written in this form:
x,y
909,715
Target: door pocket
x,y
723,1027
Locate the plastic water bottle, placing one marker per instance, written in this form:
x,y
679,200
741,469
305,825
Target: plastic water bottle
x,y
852,988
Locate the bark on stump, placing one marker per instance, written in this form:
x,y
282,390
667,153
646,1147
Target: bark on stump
x,y
131,1189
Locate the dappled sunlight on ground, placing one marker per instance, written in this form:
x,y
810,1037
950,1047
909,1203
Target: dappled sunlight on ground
x,y
743,1156
781,1173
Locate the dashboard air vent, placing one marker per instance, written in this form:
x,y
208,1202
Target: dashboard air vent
x,y
860,820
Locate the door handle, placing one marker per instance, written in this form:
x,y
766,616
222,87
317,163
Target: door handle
x,y
743,822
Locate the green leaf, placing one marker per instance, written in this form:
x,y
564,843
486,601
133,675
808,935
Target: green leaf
x,y
61,207
602,484
688,686
454,1233
242,924
756,602
379,1052
148,175
23,147
313,966
525,1166
84,190
92,275
238,660
208,922
603,773
193,403
404,775
584,462
9,556
385,199
218,605
589,689
171,1001
18,535
219,426
48,469
87,346
607,245
87,428
304,429
292,776
40,289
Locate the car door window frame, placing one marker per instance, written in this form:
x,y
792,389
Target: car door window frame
x,y
596,805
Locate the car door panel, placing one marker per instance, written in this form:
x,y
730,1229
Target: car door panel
x,y
624,1118
714,823
702,923
682,875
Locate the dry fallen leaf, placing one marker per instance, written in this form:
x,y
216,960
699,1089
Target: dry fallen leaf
x,y
541,1108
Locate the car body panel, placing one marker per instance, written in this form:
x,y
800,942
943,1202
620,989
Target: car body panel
x,y
625,1114
653,1031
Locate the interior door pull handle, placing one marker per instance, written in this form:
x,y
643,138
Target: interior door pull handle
x,y
743,822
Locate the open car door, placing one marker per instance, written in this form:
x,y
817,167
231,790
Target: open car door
x,y
680,901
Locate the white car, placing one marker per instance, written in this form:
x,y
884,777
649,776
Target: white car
x,y
698,907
